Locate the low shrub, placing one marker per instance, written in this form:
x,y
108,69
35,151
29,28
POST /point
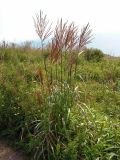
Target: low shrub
x,y
93,54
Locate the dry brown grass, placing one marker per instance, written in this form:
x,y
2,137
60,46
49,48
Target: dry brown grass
x,y
42,27
64,47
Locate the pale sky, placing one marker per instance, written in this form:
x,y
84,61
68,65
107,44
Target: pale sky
x,y
16,22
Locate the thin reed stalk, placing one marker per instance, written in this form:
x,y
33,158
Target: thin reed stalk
x,y
43,30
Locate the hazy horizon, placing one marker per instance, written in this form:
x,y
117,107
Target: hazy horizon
x,y
16,19
109,43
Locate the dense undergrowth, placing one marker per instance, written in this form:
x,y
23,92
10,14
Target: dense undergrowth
x,y
76,117
61,101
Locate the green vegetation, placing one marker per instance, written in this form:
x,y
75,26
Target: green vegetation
x,y
93,54
77,120
62,101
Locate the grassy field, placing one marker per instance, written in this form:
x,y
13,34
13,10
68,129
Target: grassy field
x,y
51,113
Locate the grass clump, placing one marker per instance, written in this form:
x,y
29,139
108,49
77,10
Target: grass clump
x,y
72,119
93,54
54,104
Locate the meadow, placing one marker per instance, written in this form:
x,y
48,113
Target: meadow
x,y
69,120
61,101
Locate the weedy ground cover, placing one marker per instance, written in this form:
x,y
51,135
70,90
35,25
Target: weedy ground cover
x,y
55,103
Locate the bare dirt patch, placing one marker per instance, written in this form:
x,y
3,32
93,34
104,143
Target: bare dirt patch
x,y
8,153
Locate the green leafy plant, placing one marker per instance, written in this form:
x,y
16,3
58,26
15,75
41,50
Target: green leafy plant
x,y
56,105
93,54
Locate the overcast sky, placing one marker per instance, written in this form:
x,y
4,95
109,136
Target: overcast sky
x,y
16,21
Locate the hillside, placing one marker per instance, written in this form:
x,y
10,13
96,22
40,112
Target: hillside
x,y
75,117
